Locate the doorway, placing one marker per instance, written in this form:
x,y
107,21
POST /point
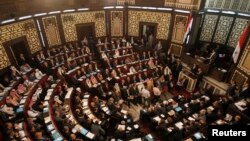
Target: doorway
x,y
16,47
85,30
148,33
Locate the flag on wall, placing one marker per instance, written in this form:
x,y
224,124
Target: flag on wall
x,y
239,45
188,29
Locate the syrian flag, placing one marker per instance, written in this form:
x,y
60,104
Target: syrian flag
x,y
188,29
239,45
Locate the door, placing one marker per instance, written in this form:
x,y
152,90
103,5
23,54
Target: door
x,y
85,30
16,47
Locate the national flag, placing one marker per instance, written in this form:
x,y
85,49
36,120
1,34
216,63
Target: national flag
x,y
239,45
188,29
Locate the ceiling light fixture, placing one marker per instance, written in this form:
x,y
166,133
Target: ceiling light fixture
x,y
25,17
40,14
54,12
7,21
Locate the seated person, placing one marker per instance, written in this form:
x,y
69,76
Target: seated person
x,y
132,70
6,80
38,74
88,83
99,41
25,68
84,41
151,64
1,88
15,74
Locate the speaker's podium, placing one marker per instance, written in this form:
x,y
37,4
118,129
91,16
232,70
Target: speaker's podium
x,y
191,78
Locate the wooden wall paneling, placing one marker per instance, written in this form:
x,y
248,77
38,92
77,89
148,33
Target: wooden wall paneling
x,y
12,31
116,23
180,22
236,31
51,30
70,20
244,63
223,29
239,78
176,49
208,27
60,28
230,30
215,28
162,19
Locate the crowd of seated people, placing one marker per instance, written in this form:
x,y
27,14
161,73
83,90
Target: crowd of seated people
x,y
127,78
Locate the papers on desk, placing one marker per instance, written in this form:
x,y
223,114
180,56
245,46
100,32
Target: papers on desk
x,y
129,128
56,135
90,135
228,117
198,135
195,115
45,110
136,139
50,127
191,119
157,118
69,92
178,109
170,100
211,108
83,131
121,127
47,120
220,122
124,111
21,134
241,105
86,96
189,139
136,126
22,101
171,113
179,125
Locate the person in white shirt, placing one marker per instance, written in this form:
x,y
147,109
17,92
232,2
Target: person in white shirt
x,y
145,96
117,54
132,70
84,41
157,94
8,110
38,74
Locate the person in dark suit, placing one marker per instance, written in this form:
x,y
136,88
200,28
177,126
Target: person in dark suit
x,y
231,89
245,92
98,131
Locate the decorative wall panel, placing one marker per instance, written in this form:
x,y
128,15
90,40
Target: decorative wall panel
x,y
183,4
51,30
12,31
70,20
162,19
244,63
208,27
223,29
179,28
116,23
239,78
237,30
239,5
176,49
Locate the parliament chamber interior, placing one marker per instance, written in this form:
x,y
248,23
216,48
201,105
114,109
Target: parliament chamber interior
x,y
122,70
